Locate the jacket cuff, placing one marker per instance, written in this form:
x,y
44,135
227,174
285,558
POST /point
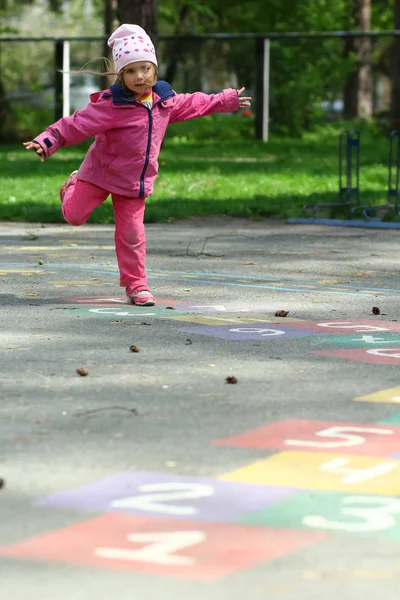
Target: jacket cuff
x,y
232,99
47,144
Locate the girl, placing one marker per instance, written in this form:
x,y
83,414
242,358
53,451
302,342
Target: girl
x,y
128,121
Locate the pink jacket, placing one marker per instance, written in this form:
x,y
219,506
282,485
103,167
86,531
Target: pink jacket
x,y
128,135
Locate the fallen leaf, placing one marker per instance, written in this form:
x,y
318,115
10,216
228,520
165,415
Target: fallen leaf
x,y
41,262
31,294
134,348
231,379
247,263
281,313
82,372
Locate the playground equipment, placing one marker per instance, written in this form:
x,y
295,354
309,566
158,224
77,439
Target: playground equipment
x,y
393,189
351,160
349,181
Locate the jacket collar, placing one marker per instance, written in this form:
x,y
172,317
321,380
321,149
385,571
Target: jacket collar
x,y
121,95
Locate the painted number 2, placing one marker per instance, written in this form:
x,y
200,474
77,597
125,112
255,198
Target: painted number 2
x,y
341,436
376,514
154,497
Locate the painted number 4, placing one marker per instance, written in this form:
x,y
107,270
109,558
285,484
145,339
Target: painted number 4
x,y
161,548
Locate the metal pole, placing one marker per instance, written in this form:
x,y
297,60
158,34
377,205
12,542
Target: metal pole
x,y
265,132
66,80
58,91
262,88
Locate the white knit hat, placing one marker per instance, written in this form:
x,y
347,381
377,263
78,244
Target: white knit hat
x,y
130,43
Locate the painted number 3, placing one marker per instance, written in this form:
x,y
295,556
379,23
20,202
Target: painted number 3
x,y
376,514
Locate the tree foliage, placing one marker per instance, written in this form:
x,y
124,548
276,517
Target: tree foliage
x,y
303,72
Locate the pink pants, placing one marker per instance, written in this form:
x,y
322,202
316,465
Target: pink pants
x,y
82,197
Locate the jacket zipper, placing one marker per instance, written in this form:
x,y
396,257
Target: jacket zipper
x,y
146,162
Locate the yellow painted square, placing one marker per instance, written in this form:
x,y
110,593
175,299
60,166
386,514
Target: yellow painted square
x,y
391,395
320,471
232,319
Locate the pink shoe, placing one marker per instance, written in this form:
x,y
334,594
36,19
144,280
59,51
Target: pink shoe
x,y
71,180
140,296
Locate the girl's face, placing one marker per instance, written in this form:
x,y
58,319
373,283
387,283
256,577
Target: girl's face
x,y
139,76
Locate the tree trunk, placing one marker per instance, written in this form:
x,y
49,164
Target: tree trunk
x,y
8,125
395,68
140,12
109,23
358,86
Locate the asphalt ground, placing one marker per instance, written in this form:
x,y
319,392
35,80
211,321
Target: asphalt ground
x,y
154,477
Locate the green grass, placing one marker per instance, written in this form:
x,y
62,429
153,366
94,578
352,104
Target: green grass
x,y
209,166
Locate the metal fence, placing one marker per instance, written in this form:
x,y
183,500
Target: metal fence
x,y
208,62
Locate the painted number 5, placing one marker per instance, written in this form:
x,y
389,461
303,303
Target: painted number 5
x,y
345,437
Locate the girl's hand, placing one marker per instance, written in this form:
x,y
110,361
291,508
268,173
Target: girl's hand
x,y
36,147
245,101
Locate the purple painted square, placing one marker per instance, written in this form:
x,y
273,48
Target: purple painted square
x,y
175,496
255,331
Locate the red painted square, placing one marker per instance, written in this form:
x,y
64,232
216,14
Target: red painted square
x,y
355,439
182,549
348,327
376,356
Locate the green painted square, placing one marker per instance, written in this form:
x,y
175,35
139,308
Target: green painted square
x,y
392,420
358,340
334,513
125,312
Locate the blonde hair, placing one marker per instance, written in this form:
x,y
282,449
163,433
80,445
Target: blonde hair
x,y
110,71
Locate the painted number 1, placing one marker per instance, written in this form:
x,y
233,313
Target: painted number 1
x,y
160,550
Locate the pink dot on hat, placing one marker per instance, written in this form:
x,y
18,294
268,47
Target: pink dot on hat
x,y
127,52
